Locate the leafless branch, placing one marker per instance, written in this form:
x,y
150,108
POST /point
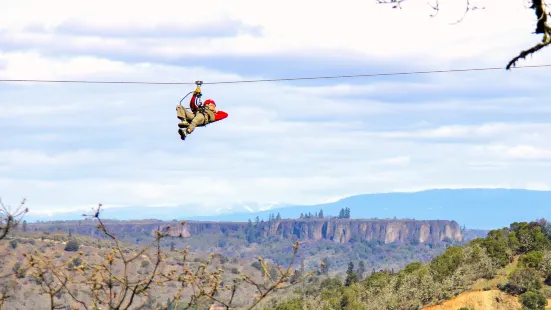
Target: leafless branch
x,y
468,7
4,296
112,284
396,4
9,219
435,7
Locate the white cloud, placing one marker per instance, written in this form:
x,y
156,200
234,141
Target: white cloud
x,y
511,132
538,186
70,146
359,27
31,64
519,152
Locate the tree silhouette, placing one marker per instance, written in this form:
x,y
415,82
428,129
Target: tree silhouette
x,y
351,276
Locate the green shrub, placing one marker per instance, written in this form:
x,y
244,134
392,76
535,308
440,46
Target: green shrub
x,y
533,259
224,259
75,262
19,271
546,291
522,280
72,246
533,300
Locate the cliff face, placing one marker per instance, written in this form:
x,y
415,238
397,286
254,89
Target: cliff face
x,y
337,230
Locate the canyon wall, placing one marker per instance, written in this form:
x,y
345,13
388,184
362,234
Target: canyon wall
x,y
332,229
336,230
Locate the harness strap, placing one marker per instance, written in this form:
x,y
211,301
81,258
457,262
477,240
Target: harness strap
x,y
206,115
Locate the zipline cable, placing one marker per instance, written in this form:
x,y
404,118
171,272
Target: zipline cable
x,y
269,80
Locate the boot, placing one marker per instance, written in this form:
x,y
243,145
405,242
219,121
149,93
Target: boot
x,y
183,124
182,133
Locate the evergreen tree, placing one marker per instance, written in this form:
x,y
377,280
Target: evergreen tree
x,y
250,232
347,213
361,270
250,235
351,276
320,215
341,214
278,216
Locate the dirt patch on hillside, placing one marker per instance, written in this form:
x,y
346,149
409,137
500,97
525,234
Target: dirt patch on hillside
x,y
480,300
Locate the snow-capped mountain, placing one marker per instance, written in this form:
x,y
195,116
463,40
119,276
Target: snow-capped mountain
x,y
160,213
252,207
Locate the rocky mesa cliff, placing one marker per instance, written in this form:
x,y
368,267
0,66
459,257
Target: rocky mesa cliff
x,y
336,230
332,229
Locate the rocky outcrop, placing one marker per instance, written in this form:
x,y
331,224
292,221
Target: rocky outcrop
x,y
332,229
336,230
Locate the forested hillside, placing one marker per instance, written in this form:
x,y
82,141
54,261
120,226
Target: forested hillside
x,y
514,262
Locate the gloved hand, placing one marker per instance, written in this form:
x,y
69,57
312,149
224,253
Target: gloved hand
x,y
198,89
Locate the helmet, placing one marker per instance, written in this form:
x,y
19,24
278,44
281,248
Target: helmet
x,y
209,101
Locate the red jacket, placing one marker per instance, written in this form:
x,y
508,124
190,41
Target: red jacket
x,y
220,115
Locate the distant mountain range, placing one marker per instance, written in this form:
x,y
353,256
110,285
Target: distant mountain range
x,y
474,208
160,213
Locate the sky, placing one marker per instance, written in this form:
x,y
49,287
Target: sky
x,y
68,147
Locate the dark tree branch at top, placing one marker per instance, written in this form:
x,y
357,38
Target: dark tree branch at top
x,y
540,7
542,14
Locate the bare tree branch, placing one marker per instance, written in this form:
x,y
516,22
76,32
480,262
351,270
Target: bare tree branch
x,y
9,219
541,10
435,7
112,284
396,4
468,7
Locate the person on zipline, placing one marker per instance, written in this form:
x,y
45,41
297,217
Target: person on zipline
x,y
199,116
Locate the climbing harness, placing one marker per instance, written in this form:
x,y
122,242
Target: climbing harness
x,y
197,90
201,109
